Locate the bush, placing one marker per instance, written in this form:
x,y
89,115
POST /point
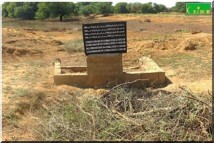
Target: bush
x,y
130,114
4,9
136,7
148,8
10,9
104,8
86,10
54,9
25,12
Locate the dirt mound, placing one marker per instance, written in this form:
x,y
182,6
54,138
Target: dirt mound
x,y
57,42
195,42
147,20
25,40
162,44
30,101
196,31
189,45
19,52
31,30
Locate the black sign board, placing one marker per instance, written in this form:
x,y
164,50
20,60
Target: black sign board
x,y
109,37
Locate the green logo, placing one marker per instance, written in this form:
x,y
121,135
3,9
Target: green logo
x,y
202,8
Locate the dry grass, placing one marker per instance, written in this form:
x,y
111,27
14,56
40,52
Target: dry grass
x,y
25,100
74,46
186,63
130,114
48,25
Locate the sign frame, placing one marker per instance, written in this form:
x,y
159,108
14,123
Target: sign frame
x,y
113,50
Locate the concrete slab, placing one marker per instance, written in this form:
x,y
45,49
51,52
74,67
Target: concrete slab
x,y
107,70
80,80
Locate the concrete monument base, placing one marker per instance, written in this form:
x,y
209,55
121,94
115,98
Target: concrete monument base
x,y
107,70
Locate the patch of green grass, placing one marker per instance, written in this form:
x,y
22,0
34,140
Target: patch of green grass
x,y
186,62
21,92
155,37
137,39
32,73
176,60
7,89
14,138
10,115
17,66
36,64
10,118
30,76
74,46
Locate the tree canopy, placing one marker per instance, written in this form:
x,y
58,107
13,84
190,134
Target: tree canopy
x,y
86,10
54,9
26,11
148,8
179,7
104,8
121,7
44,10
136,7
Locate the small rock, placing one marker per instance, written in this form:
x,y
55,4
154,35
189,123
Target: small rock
x,y
57,42
190,46
147,20
178,30
196,31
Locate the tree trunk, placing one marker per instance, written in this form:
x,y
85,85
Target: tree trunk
x,y
61,17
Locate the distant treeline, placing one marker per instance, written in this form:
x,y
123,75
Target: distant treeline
x,y
43,10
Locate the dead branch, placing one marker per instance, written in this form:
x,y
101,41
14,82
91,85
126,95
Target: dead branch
x,y
126,118
209,93
203,129
92,117
151,111
193,97
119,85
186,91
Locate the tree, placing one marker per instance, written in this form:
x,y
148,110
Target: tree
x,y
148,8
43,12
104,8
129,7
4,9
79,8
136,7
179,7
86,10
54,9
160,7
26,11
11,8
121,7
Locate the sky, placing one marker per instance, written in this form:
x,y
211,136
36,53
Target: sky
x,y
167,3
